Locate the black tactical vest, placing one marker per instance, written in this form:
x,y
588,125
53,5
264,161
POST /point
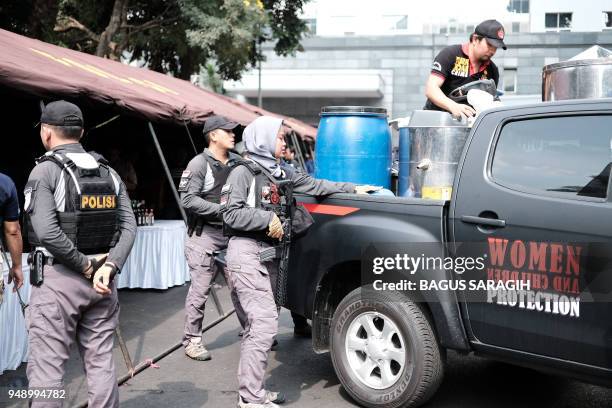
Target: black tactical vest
x,y
91,213
220,174
268,197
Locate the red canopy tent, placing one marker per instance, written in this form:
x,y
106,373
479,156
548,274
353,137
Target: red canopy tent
x,y
49,71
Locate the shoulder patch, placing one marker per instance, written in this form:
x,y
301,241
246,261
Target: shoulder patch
x,y
29,193
436,66
184,183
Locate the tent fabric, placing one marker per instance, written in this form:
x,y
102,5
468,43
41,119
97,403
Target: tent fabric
x,y
49,71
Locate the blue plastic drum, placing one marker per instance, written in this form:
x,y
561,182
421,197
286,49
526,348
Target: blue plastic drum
x,y
354,145
403,185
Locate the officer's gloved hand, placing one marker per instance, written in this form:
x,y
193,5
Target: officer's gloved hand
x,y
275,229
94,263
365,189
103,277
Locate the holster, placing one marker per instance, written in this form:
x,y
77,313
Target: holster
x,y
199,226
36,261
195,224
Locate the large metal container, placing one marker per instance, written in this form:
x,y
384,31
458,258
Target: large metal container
x,y
403,159
354,145
436,143
588,75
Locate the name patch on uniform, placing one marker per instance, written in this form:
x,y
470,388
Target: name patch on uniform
x,y
98,202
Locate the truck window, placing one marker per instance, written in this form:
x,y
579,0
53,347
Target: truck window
x,y
566,156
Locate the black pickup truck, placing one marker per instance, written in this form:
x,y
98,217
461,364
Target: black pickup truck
x,y
532,185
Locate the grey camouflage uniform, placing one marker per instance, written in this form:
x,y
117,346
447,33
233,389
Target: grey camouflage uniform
x,y
254,281
65,307
198,249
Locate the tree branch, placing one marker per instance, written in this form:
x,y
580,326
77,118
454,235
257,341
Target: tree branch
x,y
148,25
70,23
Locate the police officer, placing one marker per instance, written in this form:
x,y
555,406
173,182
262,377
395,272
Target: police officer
x,y
460,64
251,200
81,225
9,222
200,188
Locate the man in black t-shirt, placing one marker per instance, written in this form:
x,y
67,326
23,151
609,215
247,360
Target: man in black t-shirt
x,y
457,65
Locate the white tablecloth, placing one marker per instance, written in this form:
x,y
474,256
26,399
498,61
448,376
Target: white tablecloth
x,y
157,260
13,334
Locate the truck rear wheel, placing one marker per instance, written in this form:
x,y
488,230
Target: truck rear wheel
x,y
384,350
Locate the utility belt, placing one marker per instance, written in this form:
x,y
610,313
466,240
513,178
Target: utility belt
x,y
196,223
37,260
256,235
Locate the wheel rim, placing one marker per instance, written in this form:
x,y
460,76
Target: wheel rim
x,y
376,350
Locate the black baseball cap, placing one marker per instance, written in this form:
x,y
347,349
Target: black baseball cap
x,y
61,113
493,31
218,122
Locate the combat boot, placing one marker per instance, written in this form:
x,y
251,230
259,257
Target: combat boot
x,y
266,404
275,397
196,350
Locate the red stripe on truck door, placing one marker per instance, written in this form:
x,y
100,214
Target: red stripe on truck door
x,y
329,209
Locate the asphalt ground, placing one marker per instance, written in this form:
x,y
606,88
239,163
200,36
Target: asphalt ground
x,y
152,321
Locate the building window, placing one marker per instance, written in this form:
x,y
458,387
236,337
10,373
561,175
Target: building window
x,y
518,6
558,21
516,27
454,27
311,25
607,19
510,80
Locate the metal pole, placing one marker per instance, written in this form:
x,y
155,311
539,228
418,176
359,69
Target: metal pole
x,y
259,99
148,363
213,292
298,150
190,138
167,170
124,350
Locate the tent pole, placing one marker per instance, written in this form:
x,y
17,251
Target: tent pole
x,y
298,150
167,170
190,138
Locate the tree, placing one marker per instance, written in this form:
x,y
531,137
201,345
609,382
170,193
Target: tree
x,y
34,18
171,36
